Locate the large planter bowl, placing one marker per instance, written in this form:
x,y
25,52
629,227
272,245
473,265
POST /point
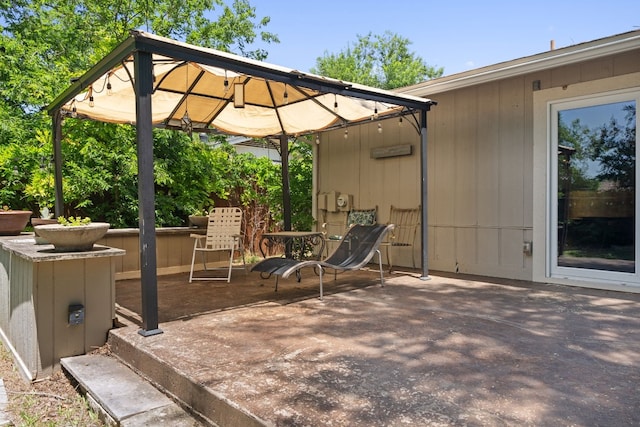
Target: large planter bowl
x,y
13,222
72,238
199,221
41,221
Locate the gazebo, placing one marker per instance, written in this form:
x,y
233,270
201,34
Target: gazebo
x,y
152,81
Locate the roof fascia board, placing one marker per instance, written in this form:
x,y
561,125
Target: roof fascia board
x,y
527,65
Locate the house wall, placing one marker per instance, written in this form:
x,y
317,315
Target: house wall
x,y
480,169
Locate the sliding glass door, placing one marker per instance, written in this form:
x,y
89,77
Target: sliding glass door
x,y
594,221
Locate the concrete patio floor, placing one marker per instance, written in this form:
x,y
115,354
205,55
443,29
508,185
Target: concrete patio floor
x,y
450,351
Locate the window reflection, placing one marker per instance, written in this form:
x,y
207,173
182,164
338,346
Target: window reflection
x,y
596,187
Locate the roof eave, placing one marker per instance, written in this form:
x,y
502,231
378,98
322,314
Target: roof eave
x,y
543,61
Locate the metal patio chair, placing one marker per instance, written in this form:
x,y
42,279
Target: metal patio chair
x,y
407,223
223,234
333,230
355,250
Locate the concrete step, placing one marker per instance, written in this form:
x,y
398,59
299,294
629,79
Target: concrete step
x,y
122,397
210,405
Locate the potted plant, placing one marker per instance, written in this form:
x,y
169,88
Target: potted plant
x,y
199,218
13,222
73,234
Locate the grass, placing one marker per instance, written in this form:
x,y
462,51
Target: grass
x,y
612,252
50,402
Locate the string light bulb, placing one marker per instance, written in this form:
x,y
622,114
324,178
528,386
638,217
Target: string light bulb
x,y
285,95
226,82
346,134
335,103
91,101
109,87
400,122
379,127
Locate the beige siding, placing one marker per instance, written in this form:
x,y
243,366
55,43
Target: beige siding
x,y
174,248
480,169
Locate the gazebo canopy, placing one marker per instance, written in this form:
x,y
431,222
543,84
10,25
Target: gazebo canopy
x,y
154,81
201,89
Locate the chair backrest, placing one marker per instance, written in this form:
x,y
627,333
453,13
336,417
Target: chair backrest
x,y
222,226
358,246
407,222
362,217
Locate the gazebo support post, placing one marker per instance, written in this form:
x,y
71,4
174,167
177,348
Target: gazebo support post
x,y
423,189
286,188
146,193
57,163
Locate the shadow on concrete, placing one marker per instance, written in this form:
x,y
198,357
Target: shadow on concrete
x,y
452,351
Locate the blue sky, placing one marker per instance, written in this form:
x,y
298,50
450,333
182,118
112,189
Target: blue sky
x,y
458,36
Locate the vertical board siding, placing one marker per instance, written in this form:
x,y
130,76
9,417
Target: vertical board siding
x,y
480,169
488,155
465,145
511,153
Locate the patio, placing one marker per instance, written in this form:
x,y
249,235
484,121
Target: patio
x,y
450,351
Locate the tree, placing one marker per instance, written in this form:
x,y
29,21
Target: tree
x,y
382,61
45,44
614,145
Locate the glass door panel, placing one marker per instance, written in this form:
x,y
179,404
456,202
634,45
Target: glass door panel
x,y
596,187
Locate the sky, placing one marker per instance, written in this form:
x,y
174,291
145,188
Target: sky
x,y
457,36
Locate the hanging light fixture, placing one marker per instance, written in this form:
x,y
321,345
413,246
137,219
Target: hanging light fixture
x,y
226,82
346,134
335,102
379,127
238,95
285,95
185,122
91,101
400,122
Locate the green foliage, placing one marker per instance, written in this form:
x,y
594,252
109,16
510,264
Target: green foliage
x,y
382,61
73,221
44,44
300,182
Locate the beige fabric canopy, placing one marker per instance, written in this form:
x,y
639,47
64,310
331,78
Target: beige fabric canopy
x,y
196,96
153,81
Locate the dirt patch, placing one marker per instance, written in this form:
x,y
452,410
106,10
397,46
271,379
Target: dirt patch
x,y
53,401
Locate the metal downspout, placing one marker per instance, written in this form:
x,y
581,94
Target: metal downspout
x,y
423,187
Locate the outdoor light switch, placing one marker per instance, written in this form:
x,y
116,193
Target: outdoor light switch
x,y
76,314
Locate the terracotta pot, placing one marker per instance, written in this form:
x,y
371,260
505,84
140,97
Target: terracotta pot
x,y
76,238
13,222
